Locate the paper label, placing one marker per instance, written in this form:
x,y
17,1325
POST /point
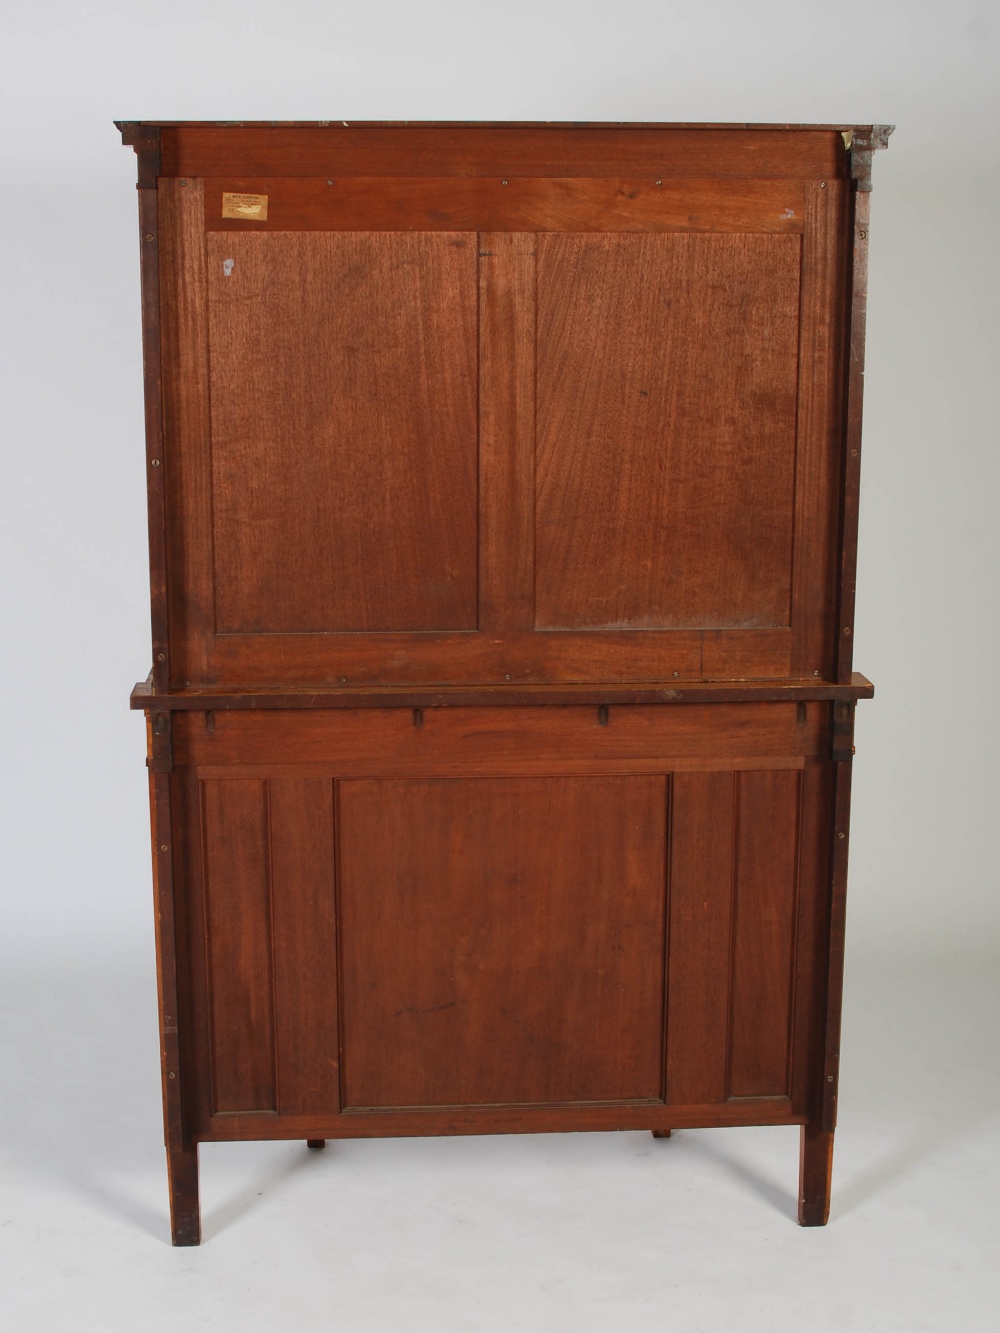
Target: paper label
x,y
249,207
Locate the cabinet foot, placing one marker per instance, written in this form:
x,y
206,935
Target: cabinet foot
x,y
316,1144
661,1133
185,1213
815,1168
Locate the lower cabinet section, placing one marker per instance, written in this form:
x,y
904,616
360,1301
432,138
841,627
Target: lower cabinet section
x,y
513,918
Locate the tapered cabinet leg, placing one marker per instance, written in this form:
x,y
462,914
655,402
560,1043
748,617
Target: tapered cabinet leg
x,y
815,1168
317,1145
661,1133
185,1213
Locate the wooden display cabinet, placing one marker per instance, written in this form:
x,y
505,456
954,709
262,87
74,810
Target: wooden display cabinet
x,y
503,492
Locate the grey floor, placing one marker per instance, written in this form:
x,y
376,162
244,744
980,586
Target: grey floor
x,y
553,1233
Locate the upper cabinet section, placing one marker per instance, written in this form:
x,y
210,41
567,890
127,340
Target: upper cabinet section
x,y
488,404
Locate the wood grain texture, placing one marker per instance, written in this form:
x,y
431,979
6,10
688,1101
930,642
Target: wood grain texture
x,y
149,270
515,204
764,933
819,424
251,661
187,462
833,970
343,373
815,1175
698,966
501,150
666,430
467,741
502,940
238,937
506,431
303,912
643,1114
770,691
859,214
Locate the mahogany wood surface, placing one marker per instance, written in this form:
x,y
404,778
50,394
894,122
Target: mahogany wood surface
x,y
643,430
502,940
454,429
503,495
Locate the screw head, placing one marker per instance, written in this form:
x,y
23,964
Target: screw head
x,y
154,462
161,657
507,676
822,185
163,846
149,235
862,234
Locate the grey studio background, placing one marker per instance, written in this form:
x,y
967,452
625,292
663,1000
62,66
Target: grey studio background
x,y
540,1233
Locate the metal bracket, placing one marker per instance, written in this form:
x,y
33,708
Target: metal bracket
x,y
860,144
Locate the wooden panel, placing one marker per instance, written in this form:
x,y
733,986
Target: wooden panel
x,y
666,430
817,491
701,885
506,431
305,944
500,150
764,934
246,660
378,741
238,934
502,940
343,372
186,429
644,1113
407,696
515,204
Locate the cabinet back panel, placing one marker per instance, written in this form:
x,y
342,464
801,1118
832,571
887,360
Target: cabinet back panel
x,y
502,940
431,428
665,471
343,383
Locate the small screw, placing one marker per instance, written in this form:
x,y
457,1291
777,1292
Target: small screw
x,y
507,677
184,182
840,835
329,182
816,672
676,674
659,182
854,453
343,680
822,185
171,1074
503,182
847,629
829,1078
149,235
862,234
161,657
154,462
163,846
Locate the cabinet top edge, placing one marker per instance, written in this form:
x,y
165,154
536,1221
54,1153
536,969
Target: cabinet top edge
x,y
879,132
